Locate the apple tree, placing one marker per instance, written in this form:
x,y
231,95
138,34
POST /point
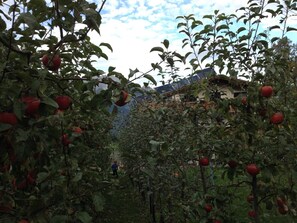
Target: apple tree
x,y
248,140
54,117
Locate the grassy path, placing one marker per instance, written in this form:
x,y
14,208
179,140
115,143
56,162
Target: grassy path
x,y
123,205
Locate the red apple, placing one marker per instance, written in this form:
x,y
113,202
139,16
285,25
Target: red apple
x,y
5,208
204,161
250,198
252,213
22,185
279,202
217,221
232,164
32,104
77,130
277,118
65,140
122,99
31,177
63,101
23,221
51,62
283,210
252,169
244,100
208,208
266,91
8,118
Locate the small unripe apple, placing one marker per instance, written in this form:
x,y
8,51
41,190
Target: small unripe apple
x,y
63,101
32,104
51,62
204,161
252,169
266,91
8,118
277,118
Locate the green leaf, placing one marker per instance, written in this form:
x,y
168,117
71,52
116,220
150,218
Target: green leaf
x,y
77,177
160,49
274,27
2,25
99,202
4,127
59,219
28,19
291,29
166,43
180,57
274,39
133,72
241,29
149,77
49,101
170,61
84,217
207,17
111,69
107,45
219,28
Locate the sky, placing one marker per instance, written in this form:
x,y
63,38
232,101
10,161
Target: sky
x,y
133,27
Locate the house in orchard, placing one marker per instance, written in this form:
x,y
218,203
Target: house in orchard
x,y
204,84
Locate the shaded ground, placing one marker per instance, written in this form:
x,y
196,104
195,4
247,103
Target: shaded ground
x,y
122,203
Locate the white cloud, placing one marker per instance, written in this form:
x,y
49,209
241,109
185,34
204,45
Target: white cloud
x,y
133,27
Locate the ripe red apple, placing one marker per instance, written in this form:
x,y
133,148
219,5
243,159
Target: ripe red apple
x,y
283,210
208,208
204,161
217,221
8,118
279,202
122,99
5,208
22,185
51,62
244,100
252,213
65,140
266,91
277,118
31,177
63,101
32,104
250,198
23,221
232,164
77,130
252,169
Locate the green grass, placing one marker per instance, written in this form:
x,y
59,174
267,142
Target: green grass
x,y
123,204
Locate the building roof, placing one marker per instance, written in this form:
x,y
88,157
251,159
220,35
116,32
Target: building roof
x,y
184,82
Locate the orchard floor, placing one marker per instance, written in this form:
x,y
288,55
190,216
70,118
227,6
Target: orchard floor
x,y
122,203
